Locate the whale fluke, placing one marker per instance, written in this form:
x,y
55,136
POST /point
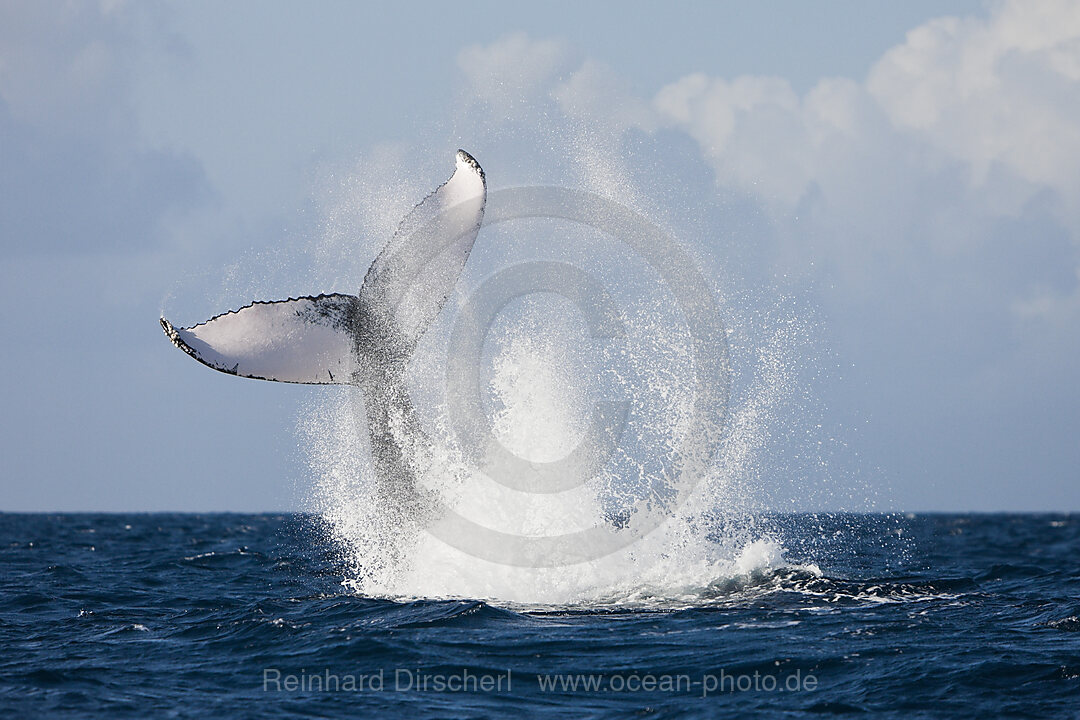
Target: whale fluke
x,y
338,338
303,340
411,278
364,340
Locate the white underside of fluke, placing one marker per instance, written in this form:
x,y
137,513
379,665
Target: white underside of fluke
x,y
301,340
326,339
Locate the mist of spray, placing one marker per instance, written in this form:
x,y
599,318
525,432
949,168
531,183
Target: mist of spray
x,y
542,375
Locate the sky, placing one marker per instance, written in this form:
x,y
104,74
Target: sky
x,y
904,177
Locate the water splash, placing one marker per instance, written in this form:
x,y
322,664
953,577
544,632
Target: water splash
x,y
543,374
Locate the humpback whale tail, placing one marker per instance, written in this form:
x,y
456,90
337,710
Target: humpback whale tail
x,y
347,339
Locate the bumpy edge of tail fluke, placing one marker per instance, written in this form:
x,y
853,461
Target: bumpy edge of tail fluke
x,y
323,339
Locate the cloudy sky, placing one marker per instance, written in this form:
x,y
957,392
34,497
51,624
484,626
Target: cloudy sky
x,y
904,175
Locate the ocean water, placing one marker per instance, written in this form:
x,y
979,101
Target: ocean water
x,y
225,615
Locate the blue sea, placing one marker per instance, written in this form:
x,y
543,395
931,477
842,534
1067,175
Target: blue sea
x,y
225,615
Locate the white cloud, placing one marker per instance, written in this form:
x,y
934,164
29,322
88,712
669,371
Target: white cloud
x,y
997,92
1005,90
999,95
969,121
750,128
513,70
